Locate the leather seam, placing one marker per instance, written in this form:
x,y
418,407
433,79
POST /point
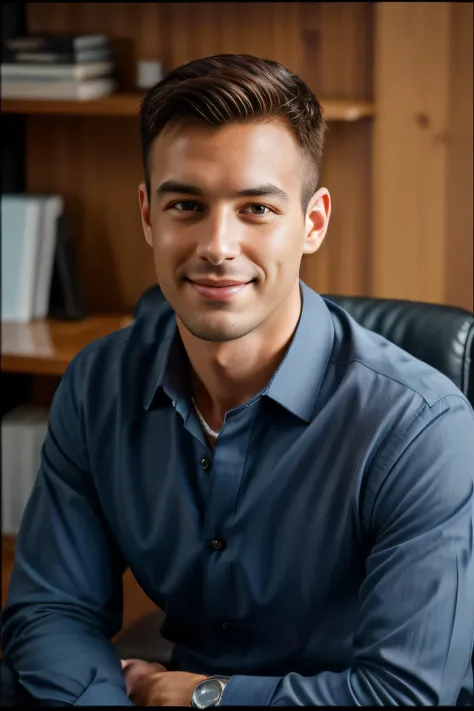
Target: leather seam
x,y
466,361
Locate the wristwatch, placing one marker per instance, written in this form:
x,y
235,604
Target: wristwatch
x,y
208,693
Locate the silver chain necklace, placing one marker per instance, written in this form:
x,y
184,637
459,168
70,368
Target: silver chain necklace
x,y
208,430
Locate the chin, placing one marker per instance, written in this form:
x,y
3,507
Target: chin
x,y
218,331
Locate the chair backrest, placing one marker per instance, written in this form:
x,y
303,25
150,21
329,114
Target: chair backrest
x,y
442,336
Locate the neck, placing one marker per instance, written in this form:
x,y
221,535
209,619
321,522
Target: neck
x,y
226,375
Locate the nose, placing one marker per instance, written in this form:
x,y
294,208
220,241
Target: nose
x,y
219,238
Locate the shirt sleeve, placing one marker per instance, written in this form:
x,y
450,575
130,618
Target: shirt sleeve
x,y
415,631
65,597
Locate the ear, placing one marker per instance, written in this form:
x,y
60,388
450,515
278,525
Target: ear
x,y
145,213
317,220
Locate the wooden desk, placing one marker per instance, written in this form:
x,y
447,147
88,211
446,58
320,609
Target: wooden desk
x,y
45,347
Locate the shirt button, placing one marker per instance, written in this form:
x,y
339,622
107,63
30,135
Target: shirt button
x,y
205,463
225,625
217,545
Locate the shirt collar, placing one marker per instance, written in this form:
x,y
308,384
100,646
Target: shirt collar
x,y
168,365
295,384
298,379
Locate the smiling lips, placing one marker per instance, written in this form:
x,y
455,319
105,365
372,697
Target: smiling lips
x,y
218,289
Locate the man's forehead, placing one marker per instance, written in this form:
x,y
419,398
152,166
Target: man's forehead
x,y
257,134
252,152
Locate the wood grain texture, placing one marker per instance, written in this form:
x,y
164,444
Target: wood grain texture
x,y
46,347
343,262
422,140
95,160
128,104
342,265
120,104
459,180
409,205
95,164
346,48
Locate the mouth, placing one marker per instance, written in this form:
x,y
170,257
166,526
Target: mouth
x,y
219,289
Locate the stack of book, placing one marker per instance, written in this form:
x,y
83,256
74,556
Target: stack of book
x,y
69,67
23,433
39,269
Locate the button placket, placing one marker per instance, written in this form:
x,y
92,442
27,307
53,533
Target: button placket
x,y
228,464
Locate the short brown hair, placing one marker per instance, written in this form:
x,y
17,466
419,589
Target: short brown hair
x,y
234,87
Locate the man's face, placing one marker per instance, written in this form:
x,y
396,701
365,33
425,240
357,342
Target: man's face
x,y
226,224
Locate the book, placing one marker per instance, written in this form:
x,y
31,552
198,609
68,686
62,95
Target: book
x,y
66,296
55,72
22,221
23,431
40,269
59,90
53,206
59,42
51,58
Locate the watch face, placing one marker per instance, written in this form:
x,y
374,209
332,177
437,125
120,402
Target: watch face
x,y
207,693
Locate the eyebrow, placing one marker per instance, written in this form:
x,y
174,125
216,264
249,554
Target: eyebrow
x,y
172,186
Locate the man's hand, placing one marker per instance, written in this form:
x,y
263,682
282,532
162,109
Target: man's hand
x,y
150,684
137,673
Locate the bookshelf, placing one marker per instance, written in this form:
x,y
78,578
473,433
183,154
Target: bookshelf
x,y
90,151
128,103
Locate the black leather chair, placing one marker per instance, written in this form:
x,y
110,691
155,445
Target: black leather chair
x,y
442,336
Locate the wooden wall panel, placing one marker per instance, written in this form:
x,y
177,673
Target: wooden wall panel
x,y
422,197
95,162
200,29
346,49
459,179
342,265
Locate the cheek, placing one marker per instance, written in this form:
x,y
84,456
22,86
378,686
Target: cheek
x,y
170,252
166,242
276,244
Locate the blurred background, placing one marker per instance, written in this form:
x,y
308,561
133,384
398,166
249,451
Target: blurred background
x,y
396,83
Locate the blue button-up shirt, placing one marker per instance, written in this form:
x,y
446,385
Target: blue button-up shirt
x,y
342,494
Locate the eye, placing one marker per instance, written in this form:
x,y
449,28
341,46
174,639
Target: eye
x,y
186,206
257,210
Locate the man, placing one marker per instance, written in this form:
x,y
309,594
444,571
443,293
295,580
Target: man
x,y
295,492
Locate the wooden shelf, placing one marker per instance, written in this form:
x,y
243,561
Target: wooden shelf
x,y
46,347
120,104
128,104
340,110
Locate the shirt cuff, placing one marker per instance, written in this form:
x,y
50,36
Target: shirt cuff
x,y
249,690
103,695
